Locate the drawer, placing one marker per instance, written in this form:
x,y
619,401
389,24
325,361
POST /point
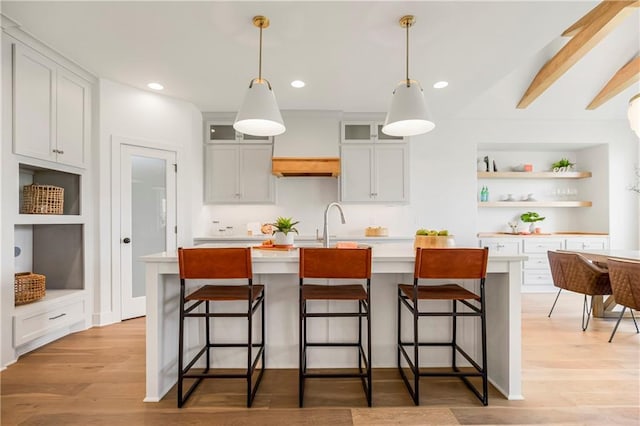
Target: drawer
x,y
537,277
541,246
587,244
537,262
30,326
502,246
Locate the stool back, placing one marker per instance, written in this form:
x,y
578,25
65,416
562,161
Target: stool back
x,y
335,263
442,263
625,282
215,263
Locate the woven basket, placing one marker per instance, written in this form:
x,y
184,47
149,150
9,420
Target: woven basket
x,y
28,287
42,199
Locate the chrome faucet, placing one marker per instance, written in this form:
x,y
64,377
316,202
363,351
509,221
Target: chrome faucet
x,y
325,236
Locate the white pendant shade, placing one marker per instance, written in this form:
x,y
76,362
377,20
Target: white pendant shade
x,y
408,114
259,114
634,114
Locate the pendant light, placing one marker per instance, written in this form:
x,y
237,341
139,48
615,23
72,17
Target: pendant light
x,y
259,114
408,114
634,114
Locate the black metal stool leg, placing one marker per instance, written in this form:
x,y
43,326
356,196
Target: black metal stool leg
x,y
181,348
618,323
586,309
416,355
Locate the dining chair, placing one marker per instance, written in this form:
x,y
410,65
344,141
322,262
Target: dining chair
x,y
625,283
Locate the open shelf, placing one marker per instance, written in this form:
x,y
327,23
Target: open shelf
x,y
535,204
534,175
51,296
48,219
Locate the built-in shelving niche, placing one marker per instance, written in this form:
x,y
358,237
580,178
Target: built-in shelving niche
x,y
53,250
69,181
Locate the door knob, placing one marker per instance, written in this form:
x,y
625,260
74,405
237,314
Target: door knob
x,y
126,240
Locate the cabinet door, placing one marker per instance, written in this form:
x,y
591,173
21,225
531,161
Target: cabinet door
x,y
34,79
256,180
220,133
502,246
391,173
356,177
221,172
72,123
587,243
358,132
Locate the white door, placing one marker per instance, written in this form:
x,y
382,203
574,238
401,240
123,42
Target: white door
x,y
148,217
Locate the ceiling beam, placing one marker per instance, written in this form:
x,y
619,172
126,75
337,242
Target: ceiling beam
x,y
590,17
610,14
623,78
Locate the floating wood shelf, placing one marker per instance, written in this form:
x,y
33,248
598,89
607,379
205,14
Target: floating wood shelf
x,y
533,175
535,204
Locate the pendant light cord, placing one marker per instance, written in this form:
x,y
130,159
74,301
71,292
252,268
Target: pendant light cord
x,y
408,81
260,58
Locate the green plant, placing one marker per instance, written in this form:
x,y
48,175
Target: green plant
x,y
563,162
284,225
531,217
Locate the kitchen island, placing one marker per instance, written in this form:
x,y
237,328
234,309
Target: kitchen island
x,y
278,271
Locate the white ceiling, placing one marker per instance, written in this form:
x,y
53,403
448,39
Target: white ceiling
x,y
351,54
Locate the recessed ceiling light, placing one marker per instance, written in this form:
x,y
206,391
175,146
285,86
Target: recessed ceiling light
x,y
440,84
155,86
298,83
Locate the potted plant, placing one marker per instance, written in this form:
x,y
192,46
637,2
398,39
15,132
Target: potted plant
x,y
563,165
531,218
283,229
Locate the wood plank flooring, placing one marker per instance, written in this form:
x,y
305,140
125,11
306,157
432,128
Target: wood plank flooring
x,y
570,377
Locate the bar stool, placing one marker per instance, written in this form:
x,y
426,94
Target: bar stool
x,y
333,263
444,263
219,264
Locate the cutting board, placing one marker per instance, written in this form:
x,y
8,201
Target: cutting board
x,y
280,248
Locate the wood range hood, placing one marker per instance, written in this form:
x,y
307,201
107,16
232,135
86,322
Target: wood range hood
x,y
305,166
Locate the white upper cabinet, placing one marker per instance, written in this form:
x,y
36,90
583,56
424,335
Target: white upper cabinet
x,y
238,173
51,108
366,132
375,173
219,132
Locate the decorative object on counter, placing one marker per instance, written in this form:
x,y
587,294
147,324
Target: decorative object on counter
x,y
531,218
563,165
514,226
408,114
28,287
376,231
528,167
428,238
634,114
486,163
259,114
480,166
266,228
283,230
528,197
509,197
495,168
42,199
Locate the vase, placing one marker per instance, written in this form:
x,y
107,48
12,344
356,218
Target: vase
x,y
282,239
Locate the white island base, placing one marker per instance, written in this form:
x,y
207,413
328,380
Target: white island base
x,y
278,271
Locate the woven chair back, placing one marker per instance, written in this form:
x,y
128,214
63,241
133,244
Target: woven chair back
x,y
215,263
571,271
442,263
625,282
335,263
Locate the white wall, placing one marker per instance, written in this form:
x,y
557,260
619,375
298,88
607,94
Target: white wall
x,y
147,119
444,185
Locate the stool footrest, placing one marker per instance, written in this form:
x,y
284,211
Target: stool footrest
x,y
333,375
337,344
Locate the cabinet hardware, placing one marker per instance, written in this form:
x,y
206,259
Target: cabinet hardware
x,y
60,151
57,316
126,240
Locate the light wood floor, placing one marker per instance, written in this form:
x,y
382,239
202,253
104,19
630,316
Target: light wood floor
x,y
570,377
